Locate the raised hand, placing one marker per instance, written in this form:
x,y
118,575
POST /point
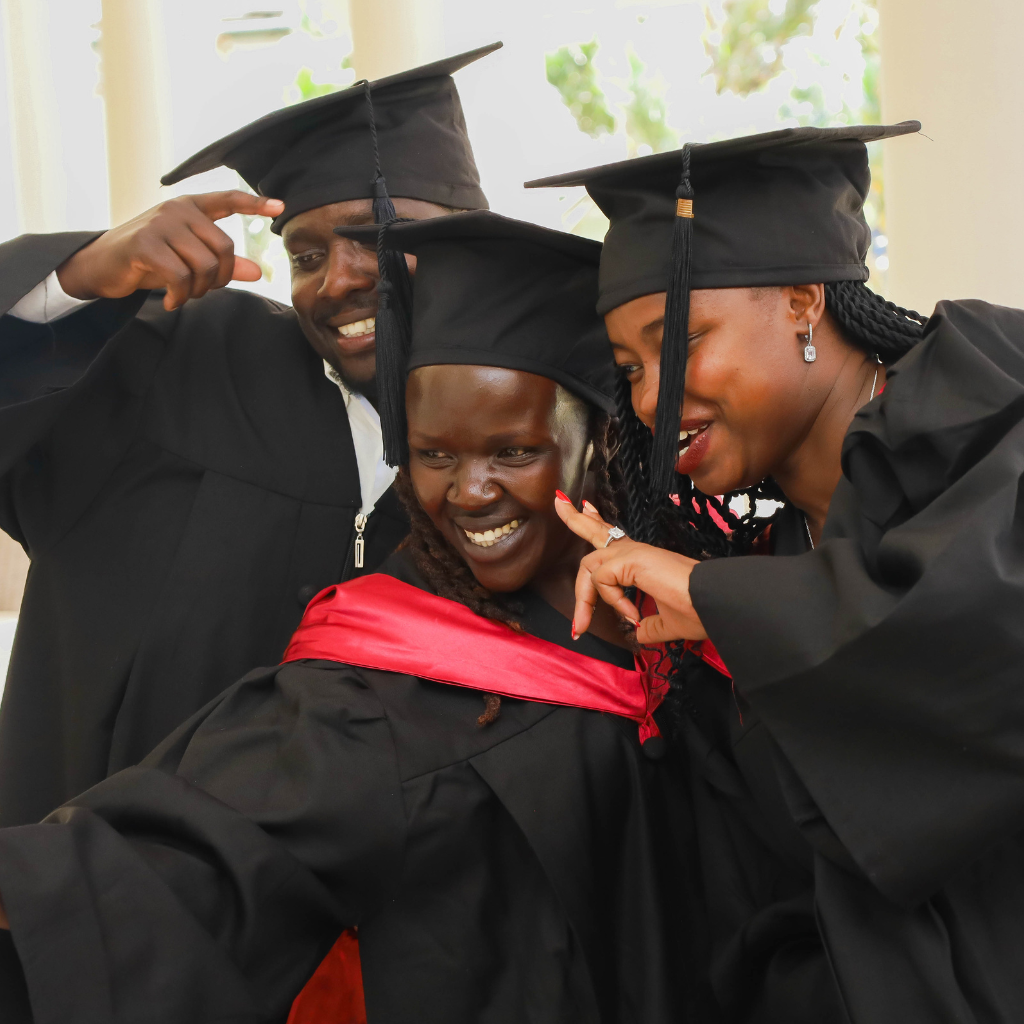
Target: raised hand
x,y
663,575
176,245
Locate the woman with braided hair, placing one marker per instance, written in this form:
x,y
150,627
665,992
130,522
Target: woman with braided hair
x,y
852,707
436,772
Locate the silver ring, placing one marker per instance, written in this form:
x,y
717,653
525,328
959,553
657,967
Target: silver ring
x,y
615,533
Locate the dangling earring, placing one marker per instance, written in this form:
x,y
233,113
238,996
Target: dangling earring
x,y
810,352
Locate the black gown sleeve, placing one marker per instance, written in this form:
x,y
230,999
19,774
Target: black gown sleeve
x,y
44,367
208,882
886,664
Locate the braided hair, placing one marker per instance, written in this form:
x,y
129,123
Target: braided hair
x,y
871,323
443,569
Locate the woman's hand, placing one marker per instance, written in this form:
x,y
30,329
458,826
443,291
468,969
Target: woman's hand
x,y
663,575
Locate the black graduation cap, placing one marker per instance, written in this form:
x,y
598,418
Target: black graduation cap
x,y
333,148
780,208
492,291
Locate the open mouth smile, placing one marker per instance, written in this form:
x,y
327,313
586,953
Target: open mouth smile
x,y
488,538
693,445
686,437
358,329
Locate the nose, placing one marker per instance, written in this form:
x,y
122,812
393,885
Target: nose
x,y
645,394
350,269
473,487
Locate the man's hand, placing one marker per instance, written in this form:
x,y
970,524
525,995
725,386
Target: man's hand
x,y
663,575
176,246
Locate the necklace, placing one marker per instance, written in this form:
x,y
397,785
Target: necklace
x,y
874,383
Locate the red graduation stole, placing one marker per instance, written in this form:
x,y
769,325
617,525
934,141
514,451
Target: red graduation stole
x,y
379,622
382,623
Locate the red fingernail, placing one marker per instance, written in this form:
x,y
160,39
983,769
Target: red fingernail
x,y
575,635
586,504
562,497
633,622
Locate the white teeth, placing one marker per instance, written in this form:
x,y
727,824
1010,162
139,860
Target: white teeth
x,y
491,537
358,328
684,434
688,435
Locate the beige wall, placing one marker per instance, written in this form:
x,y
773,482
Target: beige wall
x,y
954,202
13,568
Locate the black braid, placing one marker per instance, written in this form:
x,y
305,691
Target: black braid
x,y
872,323
629,457
606,490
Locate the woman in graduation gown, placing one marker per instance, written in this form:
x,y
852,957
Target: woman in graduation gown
x,y
860,777
504,859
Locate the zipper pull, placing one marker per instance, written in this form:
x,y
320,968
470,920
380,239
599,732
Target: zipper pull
x,y
360,545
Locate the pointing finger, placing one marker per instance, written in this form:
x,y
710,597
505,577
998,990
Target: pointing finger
x,y
245,270
222,204
586,601
592,528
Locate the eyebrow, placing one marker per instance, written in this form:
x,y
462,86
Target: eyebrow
x,y
654,325
302,236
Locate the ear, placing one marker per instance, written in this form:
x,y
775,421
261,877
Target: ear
x,y
806,304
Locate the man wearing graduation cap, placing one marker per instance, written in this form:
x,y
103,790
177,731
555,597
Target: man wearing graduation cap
x,y
187,471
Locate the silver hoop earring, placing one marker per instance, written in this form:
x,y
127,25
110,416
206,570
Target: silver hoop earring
x,y
810,352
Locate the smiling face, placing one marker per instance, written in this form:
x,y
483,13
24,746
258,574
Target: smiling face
x,y
334,282
487,449
750,398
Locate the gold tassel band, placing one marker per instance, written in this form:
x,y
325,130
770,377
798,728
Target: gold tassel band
x,y
684,208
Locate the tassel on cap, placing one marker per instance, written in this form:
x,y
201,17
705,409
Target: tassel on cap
x,y
665,444
393,329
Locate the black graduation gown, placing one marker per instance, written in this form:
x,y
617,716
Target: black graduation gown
x,y
524,871
183,483
869,862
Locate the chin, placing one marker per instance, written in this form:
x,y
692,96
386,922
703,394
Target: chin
x,y
359,369
710,481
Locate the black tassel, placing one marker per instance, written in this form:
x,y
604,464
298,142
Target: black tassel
x,y
665,444
393,330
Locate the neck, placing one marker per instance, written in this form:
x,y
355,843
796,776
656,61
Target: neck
x,y
557,586
810,473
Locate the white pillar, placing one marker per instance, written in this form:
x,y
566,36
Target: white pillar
x,y
13,570
389,36
954,209
136,100
40,182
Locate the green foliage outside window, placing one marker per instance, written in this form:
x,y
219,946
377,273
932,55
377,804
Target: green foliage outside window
x,y
746,46
571,71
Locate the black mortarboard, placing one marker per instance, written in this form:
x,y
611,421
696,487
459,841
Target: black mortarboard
x,y
780,208
323,150
491,291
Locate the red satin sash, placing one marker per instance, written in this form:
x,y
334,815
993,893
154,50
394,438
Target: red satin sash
x,y
382,623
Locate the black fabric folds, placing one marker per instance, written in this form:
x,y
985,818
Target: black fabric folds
x,y
183,483
525,871
882,674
